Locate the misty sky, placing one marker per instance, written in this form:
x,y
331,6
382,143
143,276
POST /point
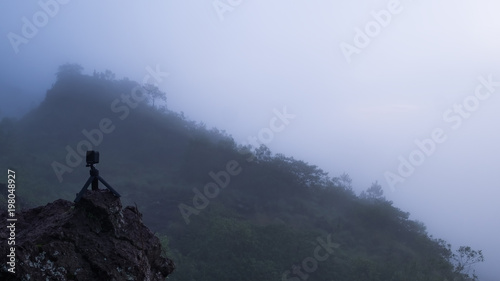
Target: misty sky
x,y
364,81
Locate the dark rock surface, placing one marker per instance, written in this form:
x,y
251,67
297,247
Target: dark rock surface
x,y
94,239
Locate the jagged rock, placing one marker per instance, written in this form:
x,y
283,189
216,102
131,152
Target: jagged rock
x,y
94,239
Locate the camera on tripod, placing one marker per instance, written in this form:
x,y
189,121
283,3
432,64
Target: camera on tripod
x,y
94,179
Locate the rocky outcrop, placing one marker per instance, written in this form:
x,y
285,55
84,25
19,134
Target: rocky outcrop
x,y
94,239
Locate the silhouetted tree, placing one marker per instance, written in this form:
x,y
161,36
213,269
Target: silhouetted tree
x,y
263,153
374,192
343,181
106,75
154,93
464,259
69,70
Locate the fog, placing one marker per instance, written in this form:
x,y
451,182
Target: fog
x,y
399,92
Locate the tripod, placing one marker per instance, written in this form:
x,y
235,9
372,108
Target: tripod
x,y
94,179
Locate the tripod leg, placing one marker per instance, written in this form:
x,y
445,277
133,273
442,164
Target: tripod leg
x,y
95,184
108,186
80,194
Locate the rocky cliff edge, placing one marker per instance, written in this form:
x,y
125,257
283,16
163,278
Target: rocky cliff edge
x,y
94,239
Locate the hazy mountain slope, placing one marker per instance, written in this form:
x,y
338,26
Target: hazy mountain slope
x,y
226,213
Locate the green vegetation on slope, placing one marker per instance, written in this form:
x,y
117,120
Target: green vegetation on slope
x,y
223,211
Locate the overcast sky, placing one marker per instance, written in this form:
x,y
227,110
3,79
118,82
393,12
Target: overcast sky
x,y
373,86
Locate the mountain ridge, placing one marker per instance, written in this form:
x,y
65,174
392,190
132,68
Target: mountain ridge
x,y
277,205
